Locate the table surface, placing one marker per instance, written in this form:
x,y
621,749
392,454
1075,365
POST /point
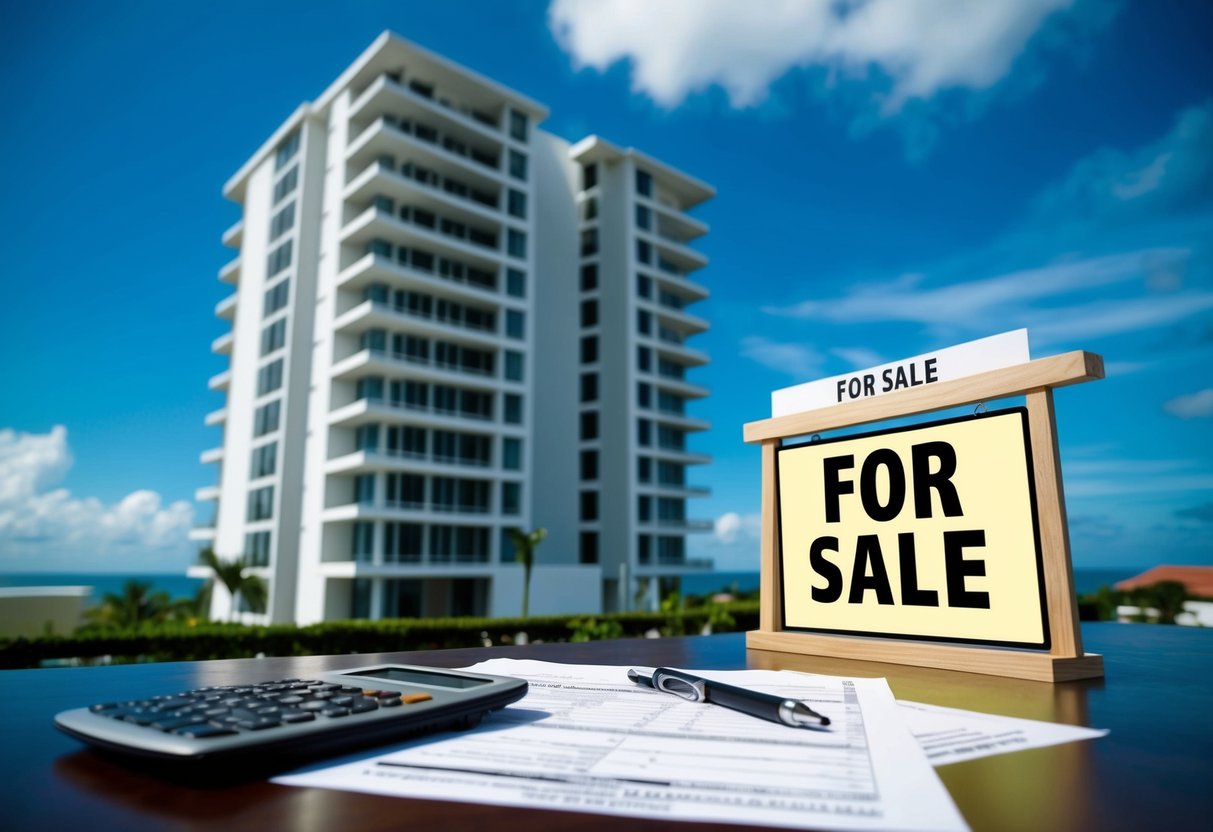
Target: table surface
x,y
1154,770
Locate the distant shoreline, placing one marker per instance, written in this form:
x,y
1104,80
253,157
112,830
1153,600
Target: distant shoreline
x,y
179,585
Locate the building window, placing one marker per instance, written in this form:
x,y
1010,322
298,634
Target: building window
x,y
511,498
363,544
515,283
589,313
644,469
516,204
589,242
589,209
644,285
589,505
589,176
265,418
402,542
589,465
644,395
515,324
589,277
511,454
517,165
516,243
644,359
370,388
644,508
644,251
269,377
278,259
282,222
364,489
589,349
644,183
265,459
644,217
589,424
513,409
286,184
513,365
589,387
257,549
276,297
273,337
518,125
261,503
644,322
588,549
287,150
644,432
645,548
405,491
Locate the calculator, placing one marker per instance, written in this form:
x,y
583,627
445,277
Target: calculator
x,y
285,721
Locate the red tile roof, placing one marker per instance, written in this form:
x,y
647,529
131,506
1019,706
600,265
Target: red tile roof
x,y
1198,579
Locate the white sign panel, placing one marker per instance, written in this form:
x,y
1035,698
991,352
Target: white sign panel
x,y
980,356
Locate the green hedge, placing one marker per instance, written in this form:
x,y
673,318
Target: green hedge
x,y
234,641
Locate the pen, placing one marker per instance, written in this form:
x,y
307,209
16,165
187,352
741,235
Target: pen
x,y
766,706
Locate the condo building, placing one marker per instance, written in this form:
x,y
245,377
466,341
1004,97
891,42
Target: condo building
x,y
447,323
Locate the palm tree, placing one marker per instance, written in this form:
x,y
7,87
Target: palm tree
x,y
525,544
239,583
135,605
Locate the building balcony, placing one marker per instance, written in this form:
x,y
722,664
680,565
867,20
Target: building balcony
x,y
678,455
673,280
234,236
379,180
415,512
220,381
676,525
672,224
668,489
216,417
363,462
375,224
211,456
367,411
673,567
407,103
226,308
378,268
399,367
223,344
443,170
678,386
207,493
673,317
678,420
673,257
423,566
672,350
230,273
371,315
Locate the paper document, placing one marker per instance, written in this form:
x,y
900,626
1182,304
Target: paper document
x,y
951,735
585,739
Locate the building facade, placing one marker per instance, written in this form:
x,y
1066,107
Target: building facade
x,y
447,323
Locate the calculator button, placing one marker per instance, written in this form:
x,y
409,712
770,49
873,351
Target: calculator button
x,y
297,716
172,724
258,724
342,701
361,705
313,705
414,698
293,699
335,711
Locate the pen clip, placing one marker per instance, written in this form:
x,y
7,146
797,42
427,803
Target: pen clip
x,y
683,685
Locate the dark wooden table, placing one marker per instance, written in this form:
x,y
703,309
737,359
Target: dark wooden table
x,y
1154,771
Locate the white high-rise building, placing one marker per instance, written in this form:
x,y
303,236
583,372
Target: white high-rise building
x,y
447,323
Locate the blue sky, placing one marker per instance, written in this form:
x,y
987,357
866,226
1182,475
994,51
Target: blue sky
x,y
892,177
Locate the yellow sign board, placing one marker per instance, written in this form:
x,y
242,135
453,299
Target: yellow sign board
x,y
928,532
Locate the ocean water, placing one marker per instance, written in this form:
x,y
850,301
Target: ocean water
x,y
180,586
177,585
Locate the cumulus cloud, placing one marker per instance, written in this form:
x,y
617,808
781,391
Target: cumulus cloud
x,y
734,544
900,49
44,527
1198,405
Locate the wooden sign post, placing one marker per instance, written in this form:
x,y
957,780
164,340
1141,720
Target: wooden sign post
x,y
892,547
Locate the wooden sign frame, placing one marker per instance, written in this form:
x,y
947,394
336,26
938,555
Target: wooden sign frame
x,y
1035,380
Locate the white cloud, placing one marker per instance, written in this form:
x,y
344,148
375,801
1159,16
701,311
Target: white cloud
x,y
799,361
42,527
905,49
1198,405
734,545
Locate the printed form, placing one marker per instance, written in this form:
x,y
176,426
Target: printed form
x,y
586,739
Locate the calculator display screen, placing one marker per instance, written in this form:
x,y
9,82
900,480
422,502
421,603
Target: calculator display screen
x,y
420,677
